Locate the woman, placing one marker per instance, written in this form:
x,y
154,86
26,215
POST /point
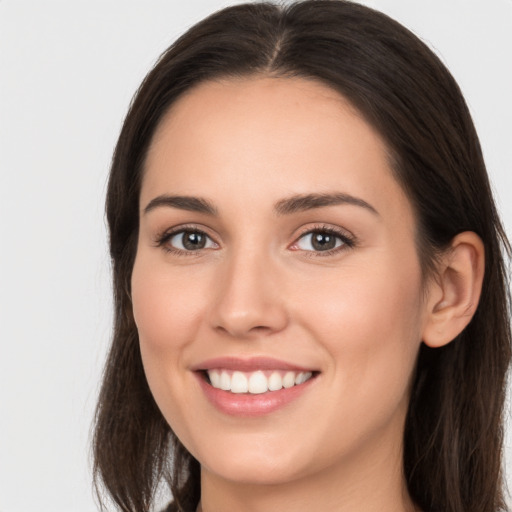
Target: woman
x,y
311,307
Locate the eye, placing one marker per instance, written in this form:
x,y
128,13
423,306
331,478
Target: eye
x,y
322,240
188,240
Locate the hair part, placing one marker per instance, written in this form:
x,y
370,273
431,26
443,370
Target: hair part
x,y
453,436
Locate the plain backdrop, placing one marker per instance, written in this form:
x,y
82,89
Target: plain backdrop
x,y
68,70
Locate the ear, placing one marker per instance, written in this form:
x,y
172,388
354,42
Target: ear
x,y
454,294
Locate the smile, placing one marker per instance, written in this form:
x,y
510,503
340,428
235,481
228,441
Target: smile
x,y
253,387
256,382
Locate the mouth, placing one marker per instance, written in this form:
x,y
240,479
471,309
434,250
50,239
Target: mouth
x,y
255,382
253,387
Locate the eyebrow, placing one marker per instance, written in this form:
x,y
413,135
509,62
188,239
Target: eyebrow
x,y
293,204
189,203
306,202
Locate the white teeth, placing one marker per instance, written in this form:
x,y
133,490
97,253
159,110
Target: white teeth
x,y
256,382
289,380
225,381
302,377
239,383
275,382
215,379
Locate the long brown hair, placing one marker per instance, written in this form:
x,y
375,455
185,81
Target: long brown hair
x,y
453,434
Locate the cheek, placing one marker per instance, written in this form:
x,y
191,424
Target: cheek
x,y
166,306
369,320
167,311
376,296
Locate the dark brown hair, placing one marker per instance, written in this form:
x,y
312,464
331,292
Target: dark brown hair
x,y
453,434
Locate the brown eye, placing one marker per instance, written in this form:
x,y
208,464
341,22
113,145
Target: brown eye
x,y
191,241
321,240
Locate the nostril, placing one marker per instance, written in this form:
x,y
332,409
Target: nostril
x,y
241,331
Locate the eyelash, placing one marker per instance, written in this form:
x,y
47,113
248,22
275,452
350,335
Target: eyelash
x,y
163,239
347,241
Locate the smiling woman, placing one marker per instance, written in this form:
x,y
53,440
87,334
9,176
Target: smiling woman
x,y
311,310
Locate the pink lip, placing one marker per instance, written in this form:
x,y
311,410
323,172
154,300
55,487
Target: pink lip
x,y
246,404
248,365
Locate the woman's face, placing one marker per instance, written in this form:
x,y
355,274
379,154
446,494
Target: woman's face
x,y
276,247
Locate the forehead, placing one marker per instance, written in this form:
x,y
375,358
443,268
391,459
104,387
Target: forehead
x,y
260,110
262,138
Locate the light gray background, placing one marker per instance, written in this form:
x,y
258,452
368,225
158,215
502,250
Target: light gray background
x,y
67,72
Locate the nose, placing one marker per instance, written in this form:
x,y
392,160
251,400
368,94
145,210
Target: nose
x,y
249,299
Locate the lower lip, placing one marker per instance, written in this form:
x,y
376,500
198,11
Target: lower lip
x,y
251,405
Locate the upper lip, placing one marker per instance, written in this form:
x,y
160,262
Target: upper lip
x,y
248,364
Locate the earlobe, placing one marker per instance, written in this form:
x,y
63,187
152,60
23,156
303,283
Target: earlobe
x,y
454,294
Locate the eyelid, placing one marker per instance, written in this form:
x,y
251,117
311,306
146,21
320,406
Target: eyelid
x,y
347,238
163,237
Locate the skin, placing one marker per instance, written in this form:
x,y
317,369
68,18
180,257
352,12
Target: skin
x,y
357,315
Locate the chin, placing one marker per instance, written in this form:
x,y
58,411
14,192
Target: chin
x,y
247,470
258,460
